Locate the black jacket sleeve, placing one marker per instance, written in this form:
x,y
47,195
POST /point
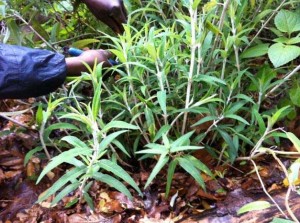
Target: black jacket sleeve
x,y
26,72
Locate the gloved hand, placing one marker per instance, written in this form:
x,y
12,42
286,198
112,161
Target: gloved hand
x,y
111,12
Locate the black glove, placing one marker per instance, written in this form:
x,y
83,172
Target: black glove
x,y
111,12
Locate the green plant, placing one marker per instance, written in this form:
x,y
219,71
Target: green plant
x,y
189,78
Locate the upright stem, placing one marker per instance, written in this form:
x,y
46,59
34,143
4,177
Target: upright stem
x,y
193,15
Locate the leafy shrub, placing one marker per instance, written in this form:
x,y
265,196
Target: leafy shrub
x,y
188,79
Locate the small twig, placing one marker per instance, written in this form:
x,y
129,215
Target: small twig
x,y
15,121
288,76
287,206
35,32
265,190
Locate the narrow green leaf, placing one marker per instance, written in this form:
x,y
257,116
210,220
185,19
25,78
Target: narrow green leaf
x,y
254,206
294,139
232,152
162,100
108,139
163,130
171,170
163,159
74,141
119,125
84,43
279,114
60,126
31,153
118,171
205,119
68,189
113,182
192,170
71,175
162,149
281,220
236,117
185,148
199,165
39,115
182,140
96,104
62,158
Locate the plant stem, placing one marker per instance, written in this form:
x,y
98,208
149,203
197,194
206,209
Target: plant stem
x,y
193,15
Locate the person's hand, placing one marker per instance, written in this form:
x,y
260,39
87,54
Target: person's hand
x,y
89,56
111,12
75,65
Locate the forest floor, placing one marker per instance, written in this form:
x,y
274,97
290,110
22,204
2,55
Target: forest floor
x,y
234,186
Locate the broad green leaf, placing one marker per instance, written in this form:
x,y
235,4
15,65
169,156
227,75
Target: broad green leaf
x,y
281,54
118,171
163,159
113,182
170,174
256,51
287,41
287,21
63,158
67,177
254,206
119,125
162,100
84,43
192,170
68,189
294,139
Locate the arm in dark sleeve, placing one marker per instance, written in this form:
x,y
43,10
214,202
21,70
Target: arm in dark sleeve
x,y
26,72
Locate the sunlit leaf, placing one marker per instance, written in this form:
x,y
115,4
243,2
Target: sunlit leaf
x,y
254,206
